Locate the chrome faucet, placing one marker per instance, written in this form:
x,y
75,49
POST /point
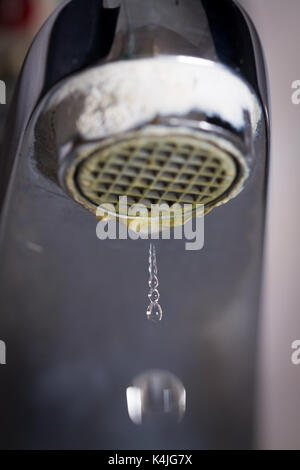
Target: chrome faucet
x,y
102,84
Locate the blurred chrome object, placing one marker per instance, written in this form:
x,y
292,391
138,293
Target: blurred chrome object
x,y
156,394
71,309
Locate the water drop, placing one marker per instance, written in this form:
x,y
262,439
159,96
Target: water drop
x,y
153,282
154,311
154,296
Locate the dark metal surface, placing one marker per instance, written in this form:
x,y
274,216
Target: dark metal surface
x,y
73,307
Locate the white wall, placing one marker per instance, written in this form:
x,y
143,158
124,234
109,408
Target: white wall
x,y
277,22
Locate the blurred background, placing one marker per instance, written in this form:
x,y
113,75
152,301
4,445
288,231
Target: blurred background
x,y
278,391
20,20
278,412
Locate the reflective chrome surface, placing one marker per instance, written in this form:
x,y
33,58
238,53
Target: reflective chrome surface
x,y
156,396
73,307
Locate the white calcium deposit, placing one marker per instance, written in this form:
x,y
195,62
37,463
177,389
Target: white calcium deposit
x,y
120,96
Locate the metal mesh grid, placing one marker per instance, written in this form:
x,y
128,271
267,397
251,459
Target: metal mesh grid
x,y
155,170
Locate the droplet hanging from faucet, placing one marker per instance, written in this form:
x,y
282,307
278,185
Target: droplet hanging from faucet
x,y
154,311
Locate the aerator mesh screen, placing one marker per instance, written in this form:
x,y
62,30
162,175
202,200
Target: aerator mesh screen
x,y
157,169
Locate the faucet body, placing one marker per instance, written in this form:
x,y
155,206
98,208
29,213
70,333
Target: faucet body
x,y
71,305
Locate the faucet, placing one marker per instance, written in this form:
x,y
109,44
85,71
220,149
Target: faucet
x,y
160,101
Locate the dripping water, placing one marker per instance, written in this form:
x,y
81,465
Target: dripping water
x,y
154,311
